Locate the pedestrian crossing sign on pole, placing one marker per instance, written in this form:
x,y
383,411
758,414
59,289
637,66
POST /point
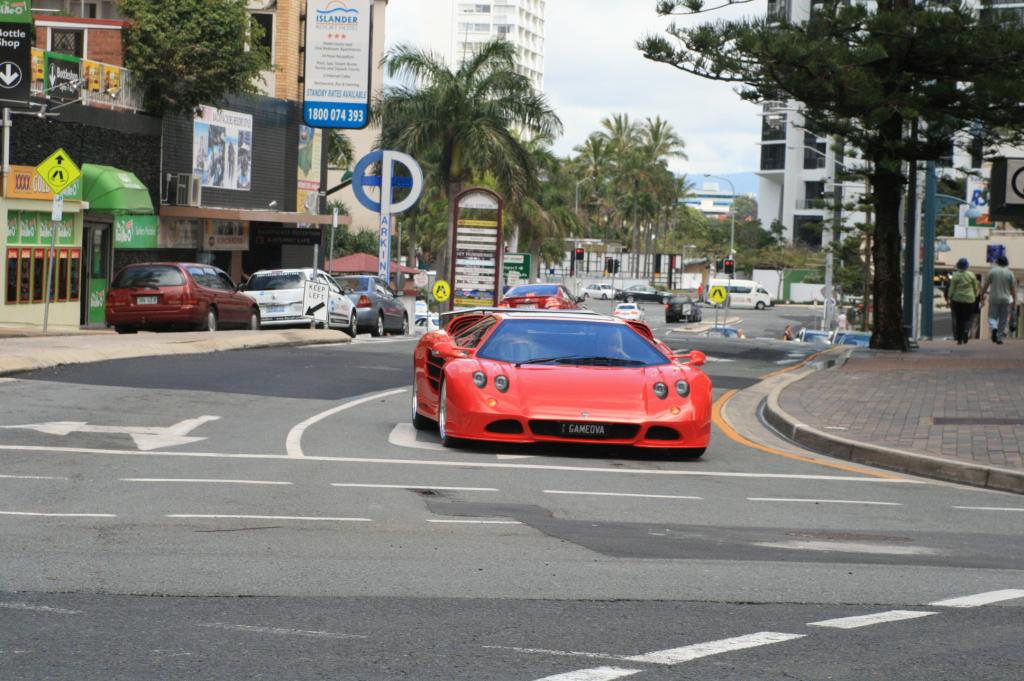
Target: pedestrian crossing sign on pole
x,y
718,294
58,171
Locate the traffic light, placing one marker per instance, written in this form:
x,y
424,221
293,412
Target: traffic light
x,y
729,266
579,254
611,265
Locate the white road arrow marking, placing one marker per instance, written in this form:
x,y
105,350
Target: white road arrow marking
x,y
404,435
146,439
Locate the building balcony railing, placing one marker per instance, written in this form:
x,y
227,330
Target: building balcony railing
x,y
105,86
811,204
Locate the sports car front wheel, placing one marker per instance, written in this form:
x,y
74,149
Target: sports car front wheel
x,y
442,418
419,422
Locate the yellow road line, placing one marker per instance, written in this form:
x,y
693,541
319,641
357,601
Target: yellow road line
x,y
730,432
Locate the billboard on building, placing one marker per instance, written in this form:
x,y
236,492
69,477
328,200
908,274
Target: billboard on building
x,y
222,148
308,173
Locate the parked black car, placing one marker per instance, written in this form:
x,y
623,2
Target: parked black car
x,y
682,308
642,292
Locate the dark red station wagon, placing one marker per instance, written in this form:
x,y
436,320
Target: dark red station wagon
x,y
177,295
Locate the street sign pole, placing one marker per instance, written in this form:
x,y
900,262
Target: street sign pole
x,y
56,215
334,227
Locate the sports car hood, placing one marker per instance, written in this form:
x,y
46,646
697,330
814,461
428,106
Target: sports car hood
x,y
566,391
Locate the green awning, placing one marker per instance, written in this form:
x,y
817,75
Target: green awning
x,y
112,190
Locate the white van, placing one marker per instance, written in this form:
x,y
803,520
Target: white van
x,y
744,293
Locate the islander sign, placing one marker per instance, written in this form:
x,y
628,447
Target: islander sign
x,y
477,249
338,53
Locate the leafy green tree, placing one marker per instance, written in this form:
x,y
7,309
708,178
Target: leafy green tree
x,y
544,219
745,208
192,52
469,121
896,79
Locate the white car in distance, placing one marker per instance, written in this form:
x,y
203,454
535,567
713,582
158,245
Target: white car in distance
x,y
279,294
630,311
599,291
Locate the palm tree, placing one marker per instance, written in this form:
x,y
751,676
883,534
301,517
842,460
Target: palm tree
x,y
470,119
661,141
546,218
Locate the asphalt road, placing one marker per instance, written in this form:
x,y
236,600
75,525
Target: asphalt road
x,y
271,514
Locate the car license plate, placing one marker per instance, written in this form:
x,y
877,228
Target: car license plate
x,y
527,307
146,300
275,309
584,430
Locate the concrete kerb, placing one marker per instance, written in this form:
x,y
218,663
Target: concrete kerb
x,y
66,353
913,463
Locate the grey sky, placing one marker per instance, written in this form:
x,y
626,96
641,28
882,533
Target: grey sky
x,y
593,69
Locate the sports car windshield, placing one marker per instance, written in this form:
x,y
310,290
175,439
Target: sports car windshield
x,y
558,341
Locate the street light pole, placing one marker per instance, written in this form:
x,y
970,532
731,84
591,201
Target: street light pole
x,y
732,237
732,212
576,205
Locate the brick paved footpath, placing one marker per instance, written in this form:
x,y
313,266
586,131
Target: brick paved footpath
x,y
962,402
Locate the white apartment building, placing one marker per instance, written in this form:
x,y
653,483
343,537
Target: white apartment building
x,y
801,173
456,28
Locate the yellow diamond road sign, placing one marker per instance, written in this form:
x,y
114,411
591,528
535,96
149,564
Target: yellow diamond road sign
x,y
718,294
58,171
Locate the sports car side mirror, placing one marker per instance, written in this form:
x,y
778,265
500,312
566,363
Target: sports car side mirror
x,y
695,358
445,350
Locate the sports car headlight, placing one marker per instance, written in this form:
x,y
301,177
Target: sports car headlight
x,y
661,390
501,383
682,388
479,379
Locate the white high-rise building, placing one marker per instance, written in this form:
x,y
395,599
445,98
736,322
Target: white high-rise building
x,y
455,28
801,173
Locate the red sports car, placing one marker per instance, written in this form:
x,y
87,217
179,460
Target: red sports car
x,y
561,375
540,296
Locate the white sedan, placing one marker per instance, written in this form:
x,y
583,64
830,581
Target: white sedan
x,y
599,291
279,294
426,324
630,311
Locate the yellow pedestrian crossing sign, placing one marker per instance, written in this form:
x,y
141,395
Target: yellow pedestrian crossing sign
x,y
58,171
718,294
442,291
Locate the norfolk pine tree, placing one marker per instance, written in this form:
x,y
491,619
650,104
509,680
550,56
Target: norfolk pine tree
x,y
865,72
192,52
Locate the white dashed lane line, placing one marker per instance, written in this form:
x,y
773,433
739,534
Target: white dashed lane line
x,y
208,480
595,674
675,656
473,522
58,515
867,620
39,608
986,598
276,630
699,650
990,508
31,477
619,494
193,516
415,487
826,501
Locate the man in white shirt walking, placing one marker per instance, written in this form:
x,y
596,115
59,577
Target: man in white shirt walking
x,y
1001,287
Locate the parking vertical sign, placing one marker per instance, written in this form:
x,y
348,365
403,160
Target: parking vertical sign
x,y
338,53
